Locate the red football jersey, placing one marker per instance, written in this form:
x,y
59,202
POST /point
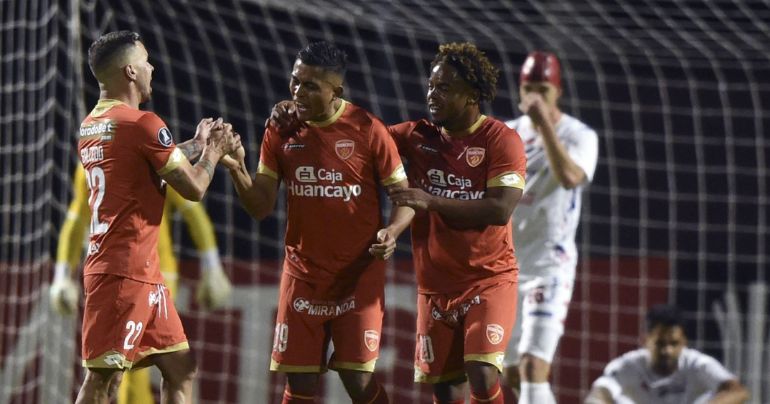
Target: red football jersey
x,y
331,172
124,151
447,259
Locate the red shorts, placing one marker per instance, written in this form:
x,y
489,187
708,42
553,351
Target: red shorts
x,y
474,325
307,320
126,321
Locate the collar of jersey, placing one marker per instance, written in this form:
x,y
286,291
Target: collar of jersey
x,y
103,106
331,119
469,130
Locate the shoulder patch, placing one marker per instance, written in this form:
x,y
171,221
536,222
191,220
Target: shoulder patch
x,y
164,137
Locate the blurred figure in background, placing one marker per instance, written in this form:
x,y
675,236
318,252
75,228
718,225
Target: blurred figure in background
x,y
665,370
213,289
561,160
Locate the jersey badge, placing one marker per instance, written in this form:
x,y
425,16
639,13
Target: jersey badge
x,y
371,339
164,137
495,333
344,148
474,156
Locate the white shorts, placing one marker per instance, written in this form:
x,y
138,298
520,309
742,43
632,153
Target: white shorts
x,y
540,315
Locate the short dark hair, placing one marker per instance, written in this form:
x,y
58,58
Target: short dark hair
x,y
472,65
103,49
325,55
665,315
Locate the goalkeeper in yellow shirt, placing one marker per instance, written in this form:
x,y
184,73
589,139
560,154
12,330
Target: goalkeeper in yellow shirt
x,y
212,292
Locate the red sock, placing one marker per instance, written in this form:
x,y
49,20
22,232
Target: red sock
x,y
375,394
289,398
493,396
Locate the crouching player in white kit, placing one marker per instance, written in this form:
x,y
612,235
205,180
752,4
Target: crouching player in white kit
x,y
561,160
665,370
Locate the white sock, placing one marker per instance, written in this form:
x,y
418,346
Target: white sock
x,y
536,393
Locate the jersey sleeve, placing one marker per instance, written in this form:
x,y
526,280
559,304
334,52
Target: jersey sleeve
x,y
614,377
386,158
710,373
400,135
268,156
583,148
73,230
508,162
156,144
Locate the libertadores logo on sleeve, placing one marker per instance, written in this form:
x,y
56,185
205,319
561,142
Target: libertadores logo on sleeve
x,y
164,137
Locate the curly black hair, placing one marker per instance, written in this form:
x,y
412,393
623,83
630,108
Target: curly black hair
x,y
664,315
101,51
472,65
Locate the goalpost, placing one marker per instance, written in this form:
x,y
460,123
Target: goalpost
x,y
677,212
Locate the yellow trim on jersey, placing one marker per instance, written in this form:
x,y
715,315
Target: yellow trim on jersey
x,y
421,377
73,230
510,179
174,161
292,395
277,367
468,130
332,119
103,106
492,358
398,175
363,367
265,170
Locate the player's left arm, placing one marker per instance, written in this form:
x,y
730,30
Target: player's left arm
x,y
400,218
730,392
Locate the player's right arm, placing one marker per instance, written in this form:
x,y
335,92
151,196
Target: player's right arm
x,y
64,292
192,181
258,193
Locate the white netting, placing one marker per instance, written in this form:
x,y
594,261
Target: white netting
x,y
677,212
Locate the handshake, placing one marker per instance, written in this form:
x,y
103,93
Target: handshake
x,y
221,140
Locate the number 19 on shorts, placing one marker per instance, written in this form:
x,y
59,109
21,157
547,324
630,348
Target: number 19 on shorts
x,y
281,337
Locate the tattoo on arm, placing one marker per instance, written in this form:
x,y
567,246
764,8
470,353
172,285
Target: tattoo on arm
x,y
190,149
206,165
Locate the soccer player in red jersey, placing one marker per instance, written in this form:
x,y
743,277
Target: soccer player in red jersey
x,y
332,163
128,156
466,173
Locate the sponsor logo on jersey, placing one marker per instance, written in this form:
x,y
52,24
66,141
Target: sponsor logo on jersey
x,y
440,178
105,129
344,148
164,137
303,305
371,340
292,146
439,181
474,156
427,149
453,316
495,333
310,183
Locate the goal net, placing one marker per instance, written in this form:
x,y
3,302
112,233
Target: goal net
x,y
677,211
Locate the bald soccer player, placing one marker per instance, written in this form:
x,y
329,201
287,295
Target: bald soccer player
x,y
561,160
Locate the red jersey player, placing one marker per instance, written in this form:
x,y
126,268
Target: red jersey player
x,y
127,155
332,284
467,172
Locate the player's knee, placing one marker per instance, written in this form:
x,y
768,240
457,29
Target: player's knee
x,y
180,371
303,384
481,376
355,382
533,369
